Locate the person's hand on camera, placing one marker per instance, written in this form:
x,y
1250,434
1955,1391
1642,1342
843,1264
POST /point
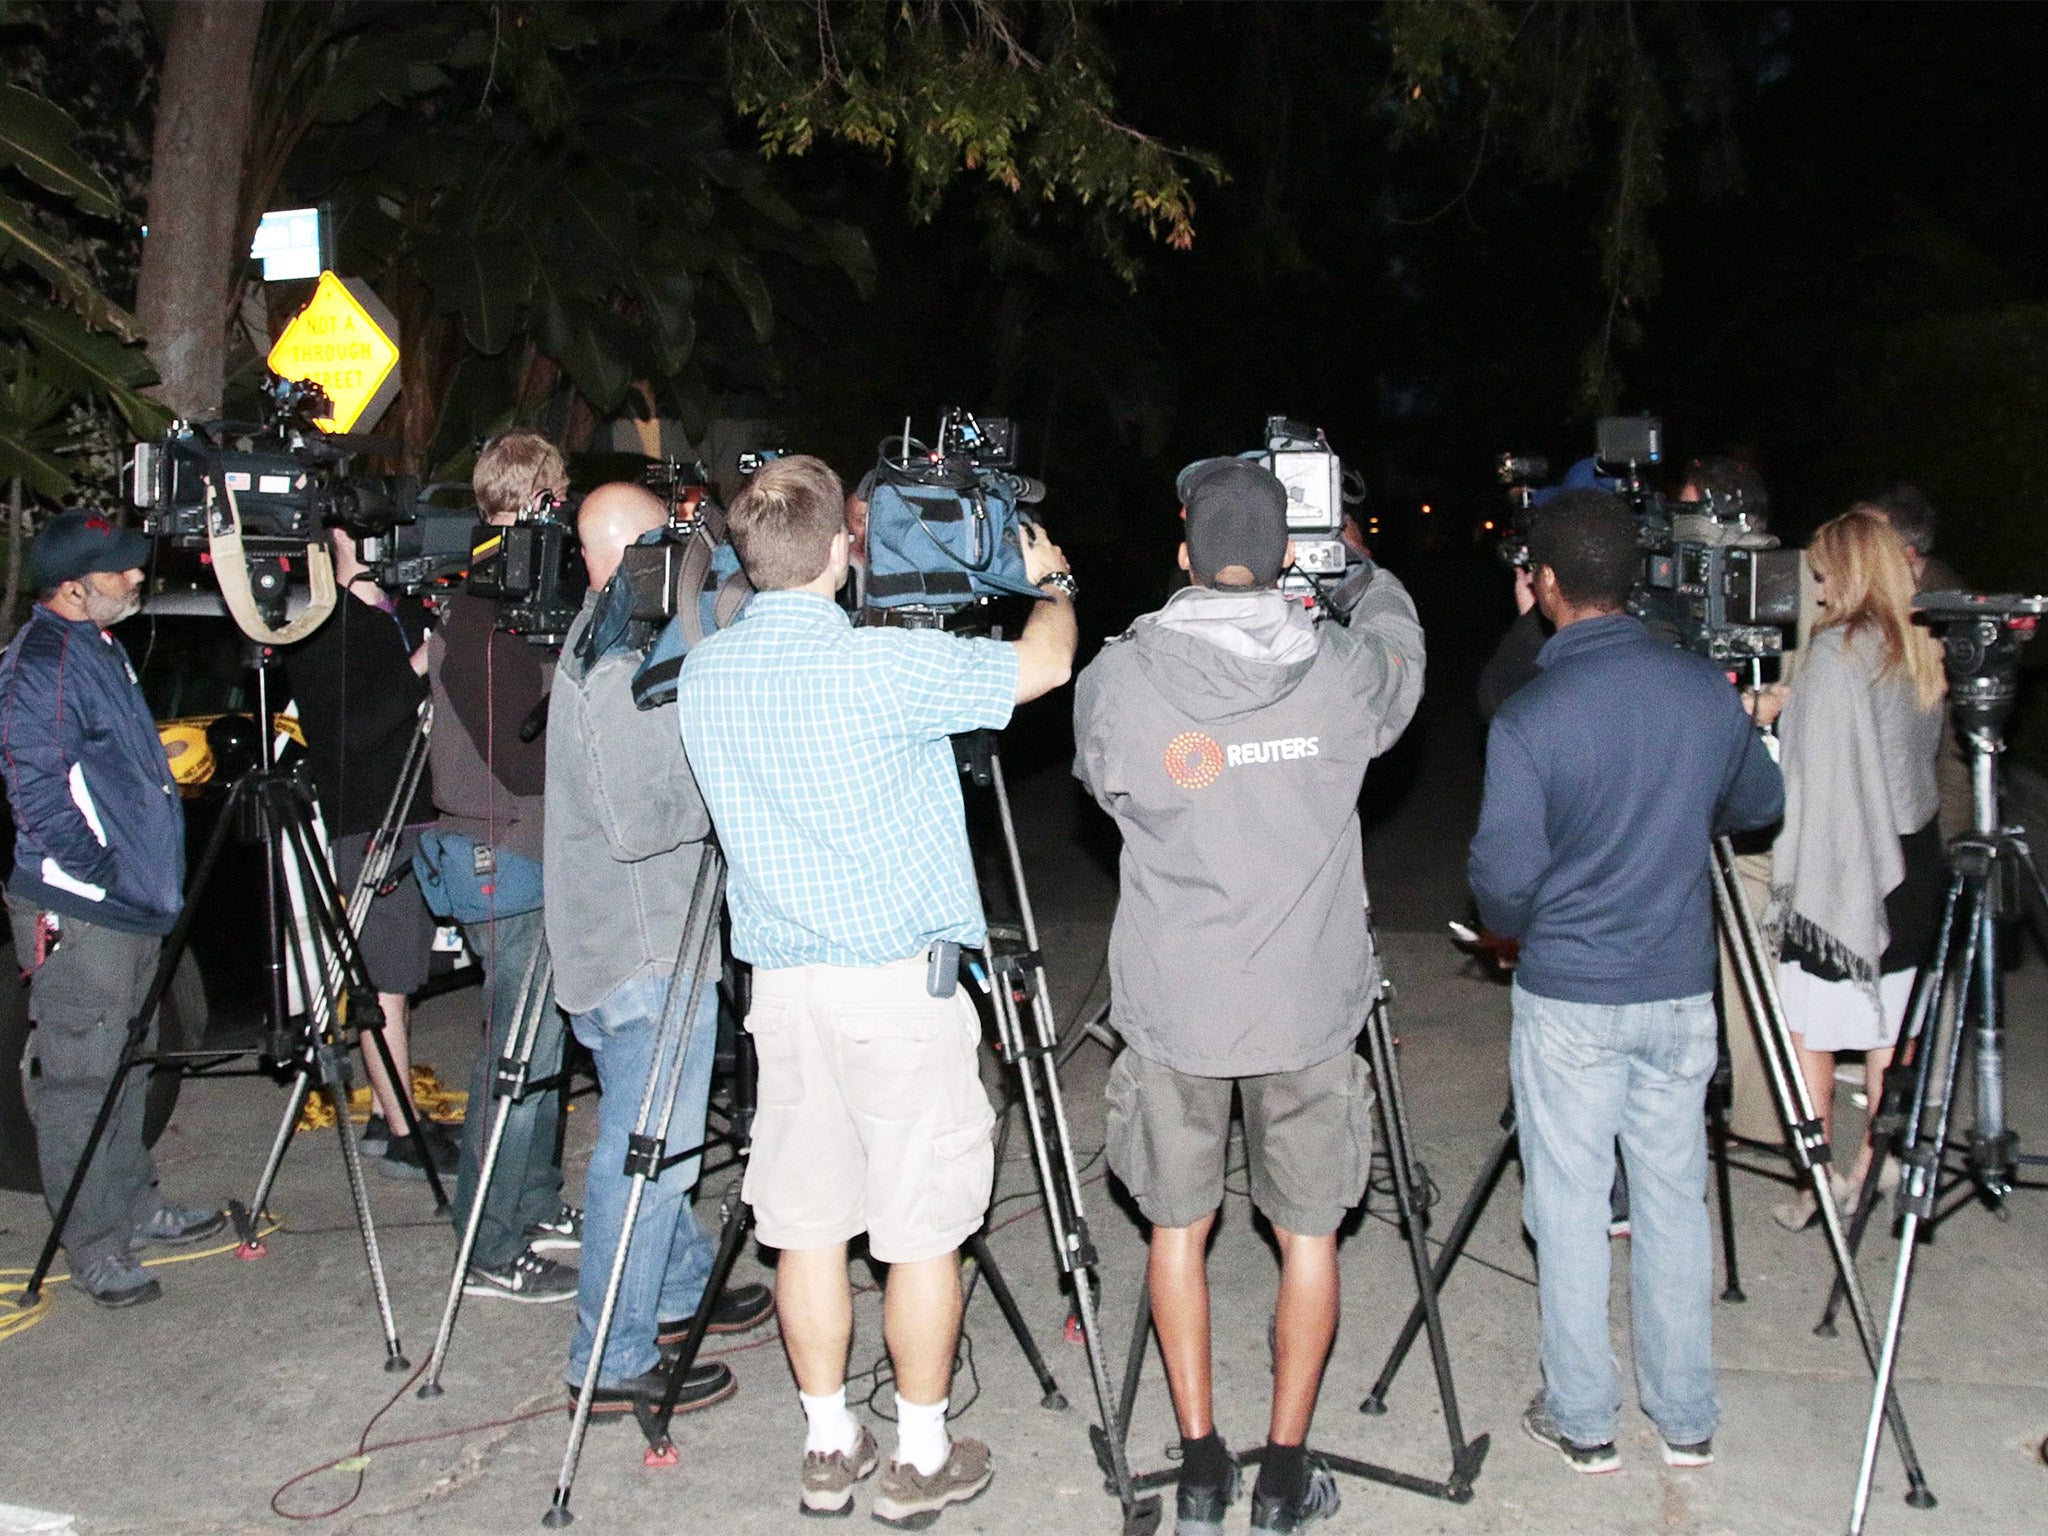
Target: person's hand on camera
x,y
1042,557
1764,703
1525,589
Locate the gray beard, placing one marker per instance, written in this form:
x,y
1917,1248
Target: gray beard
x,y
109,611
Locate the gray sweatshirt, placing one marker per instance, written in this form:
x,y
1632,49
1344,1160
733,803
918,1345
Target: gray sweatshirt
x,y
625,828
1228,738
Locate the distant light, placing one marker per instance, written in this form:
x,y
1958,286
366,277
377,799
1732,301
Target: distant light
x,y
1425,509
1489,525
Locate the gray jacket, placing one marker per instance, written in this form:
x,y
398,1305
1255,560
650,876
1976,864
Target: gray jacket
x,y
625,828
1229,739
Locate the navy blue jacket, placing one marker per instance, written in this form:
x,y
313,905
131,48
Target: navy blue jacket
x,y
1606,780
99,833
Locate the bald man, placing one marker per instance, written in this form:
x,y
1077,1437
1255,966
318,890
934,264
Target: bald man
x,y
625,834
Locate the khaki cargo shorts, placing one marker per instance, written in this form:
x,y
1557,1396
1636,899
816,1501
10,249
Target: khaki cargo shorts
x,y
1309,1136
872,1116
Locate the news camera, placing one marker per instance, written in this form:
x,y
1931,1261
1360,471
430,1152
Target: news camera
x,y
1713,579
944,521
1318,489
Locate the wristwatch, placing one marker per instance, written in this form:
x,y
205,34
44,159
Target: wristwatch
x,y
1062,582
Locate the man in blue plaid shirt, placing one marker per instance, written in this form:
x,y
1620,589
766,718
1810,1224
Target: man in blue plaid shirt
x,y
822,752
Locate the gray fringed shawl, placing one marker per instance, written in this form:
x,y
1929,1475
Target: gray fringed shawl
x,y
1838,856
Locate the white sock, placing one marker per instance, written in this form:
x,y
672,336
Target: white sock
x,y
830,1427
921,1438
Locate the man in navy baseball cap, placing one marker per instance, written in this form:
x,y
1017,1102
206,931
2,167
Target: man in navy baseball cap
x,y
97,560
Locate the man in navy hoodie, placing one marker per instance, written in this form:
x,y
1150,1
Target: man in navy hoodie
x,y
1607,777
99,871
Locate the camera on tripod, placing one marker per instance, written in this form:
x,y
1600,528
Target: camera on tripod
x,y
532,568
944,522
1712,578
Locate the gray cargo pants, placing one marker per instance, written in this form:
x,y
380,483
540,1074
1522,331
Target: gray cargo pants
x,y
81,998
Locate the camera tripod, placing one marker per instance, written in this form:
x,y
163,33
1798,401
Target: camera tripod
x,y
313,952
1985,862
1810,1152
1411,1186
1507,1149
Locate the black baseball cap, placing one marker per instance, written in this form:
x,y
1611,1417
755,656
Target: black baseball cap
x,y
1236,515
78,540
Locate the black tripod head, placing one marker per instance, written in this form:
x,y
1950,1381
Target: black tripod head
x,y
1981,635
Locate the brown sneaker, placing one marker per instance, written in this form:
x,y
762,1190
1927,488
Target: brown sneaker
x,y
911,1501
829,1480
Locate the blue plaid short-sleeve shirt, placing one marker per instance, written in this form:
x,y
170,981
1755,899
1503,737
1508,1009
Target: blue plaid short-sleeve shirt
x,y
822,753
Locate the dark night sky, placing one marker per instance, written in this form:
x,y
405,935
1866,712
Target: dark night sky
x,y
1887,212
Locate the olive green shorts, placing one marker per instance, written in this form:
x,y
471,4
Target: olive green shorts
x,y
1308,1134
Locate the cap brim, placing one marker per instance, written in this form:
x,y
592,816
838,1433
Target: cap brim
x,y
127,551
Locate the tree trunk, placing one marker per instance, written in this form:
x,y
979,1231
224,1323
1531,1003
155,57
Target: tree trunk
x,y
17,536
189,260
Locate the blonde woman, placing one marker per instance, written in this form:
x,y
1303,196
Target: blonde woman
x,y
1857,873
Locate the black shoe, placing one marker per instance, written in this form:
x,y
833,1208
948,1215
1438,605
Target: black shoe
x,y
741,1308
1199,1508
1274,1516
525,1277
178,1224
402,1159
376,1137
709,1381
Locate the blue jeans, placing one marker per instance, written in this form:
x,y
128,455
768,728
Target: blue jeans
x,y
670,1258
526,1184
1584,1074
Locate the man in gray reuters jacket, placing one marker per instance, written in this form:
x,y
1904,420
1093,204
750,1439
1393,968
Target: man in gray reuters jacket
x,y
1228,735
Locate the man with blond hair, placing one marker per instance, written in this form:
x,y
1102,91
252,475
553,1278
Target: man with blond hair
x,y
822,751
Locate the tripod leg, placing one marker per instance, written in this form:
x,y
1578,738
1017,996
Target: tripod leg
x,y
696,956
1134,1362
334,1067
343,971
1898,1109
1465,1459
1795,1108
1454,1246
735,1224
287,1127
977,1249
1718,1129
1919,1188
507,1084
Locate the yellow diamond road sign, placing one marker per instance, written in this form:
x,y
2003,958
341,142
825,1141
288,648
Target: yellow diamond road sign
x,y
342,341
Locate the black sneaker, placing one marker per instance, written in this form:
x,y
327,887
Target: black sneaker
x,y
525,1277
1700,1453
1318,1501
560,1233
402,1158
1540,1427
1199,1508
709,1381
741,1308
376,1137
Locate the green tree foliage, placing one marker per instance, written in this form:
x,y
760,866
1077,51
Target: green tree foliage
x,y
65,342
1017,95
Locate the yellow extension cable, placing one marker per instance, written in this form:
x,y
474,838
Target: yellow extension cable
x,y
16,1319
